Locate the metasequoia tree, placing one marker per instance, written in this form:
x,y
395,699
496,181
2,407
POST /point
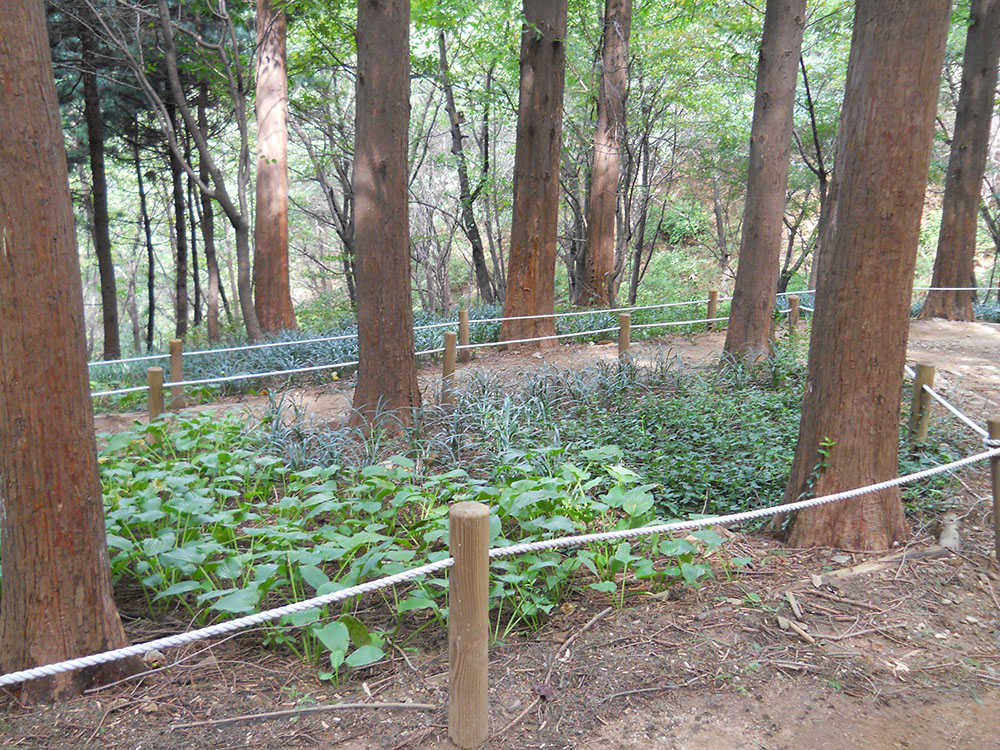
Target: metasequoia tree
x,y
531,265
599,280
749,334
849,430
954,265
273,297
57,600
387,370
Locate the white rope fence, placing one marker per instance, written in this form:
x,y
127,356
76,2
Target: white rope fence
x,y
230,626
949,406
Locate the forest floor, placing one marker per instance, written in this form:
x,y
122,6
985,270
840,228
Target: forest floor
x,y
805,648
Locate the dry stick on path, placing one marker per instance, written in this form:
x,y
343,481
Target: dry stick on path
x,y
303,712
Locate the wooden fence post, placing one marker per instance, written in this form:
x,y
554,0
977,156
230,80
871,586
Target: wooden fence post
x,y
448,369
468,624
793,313
154,378
464,354
624,334
176,373
920,407
994,431
713,307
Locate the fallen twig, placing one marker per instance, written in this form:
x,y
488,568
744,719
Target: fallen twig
x,y
304,711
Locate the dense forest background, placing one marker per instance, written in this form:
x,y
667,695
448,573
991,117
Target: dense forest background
x,y
175,254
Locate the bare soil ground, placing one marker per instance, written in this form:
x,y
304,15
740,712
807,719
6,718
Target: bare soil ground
x,y
805,648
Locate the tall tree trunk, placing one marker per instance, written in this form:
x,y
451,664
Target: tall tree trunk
x,y
465,194
598,281
749,334
208,228
954,265
192,188
271,277
531,265
387,372
99,184
148,233
849,431
57,598
180,233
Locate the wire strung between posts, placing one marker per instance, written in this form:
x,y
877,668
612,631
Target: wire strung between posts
x,y
597,311
497,552
221,628
119,391
538,338
678,323
246,376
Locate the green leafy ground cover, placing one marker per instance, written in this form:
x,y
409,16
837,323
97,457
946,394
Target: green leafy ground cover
x,y
218,517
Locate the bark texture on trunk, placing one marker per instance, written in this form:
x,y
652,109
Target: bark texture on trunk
x,y
749,333
57,599
99,184
387,373
849,431
532,259
208,229
271,275
954,265
599,264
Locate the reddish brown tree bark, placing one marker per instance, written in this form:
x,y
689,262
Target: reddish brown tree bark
x,y
858,345
532,260
954,265
599,261
57,601
273,299
749,333
387,373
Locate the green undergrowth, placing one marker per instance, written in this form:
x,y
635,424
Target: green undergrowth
x,y
223,516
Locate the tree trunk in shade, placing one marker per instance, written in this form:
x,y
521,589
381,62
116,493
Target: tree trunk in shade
x,y
57,599
954,265
532,259
849,430
387,371
748,336
599,263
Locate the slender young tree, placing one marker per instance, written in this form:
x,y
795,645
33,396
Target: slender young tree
x,y
57,601
954,265
273,298
599,282
749,334
849,430
99,181
531,264
387,369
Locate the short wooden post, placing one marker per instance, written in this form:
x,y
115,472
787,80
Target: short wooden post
x,y
994,431
176,372
154,378
920,407
448,369
464,354
624,333
793,313
468,624
713,307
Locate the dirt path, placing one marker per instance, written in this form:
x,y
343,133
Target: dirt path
x,y
904,654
